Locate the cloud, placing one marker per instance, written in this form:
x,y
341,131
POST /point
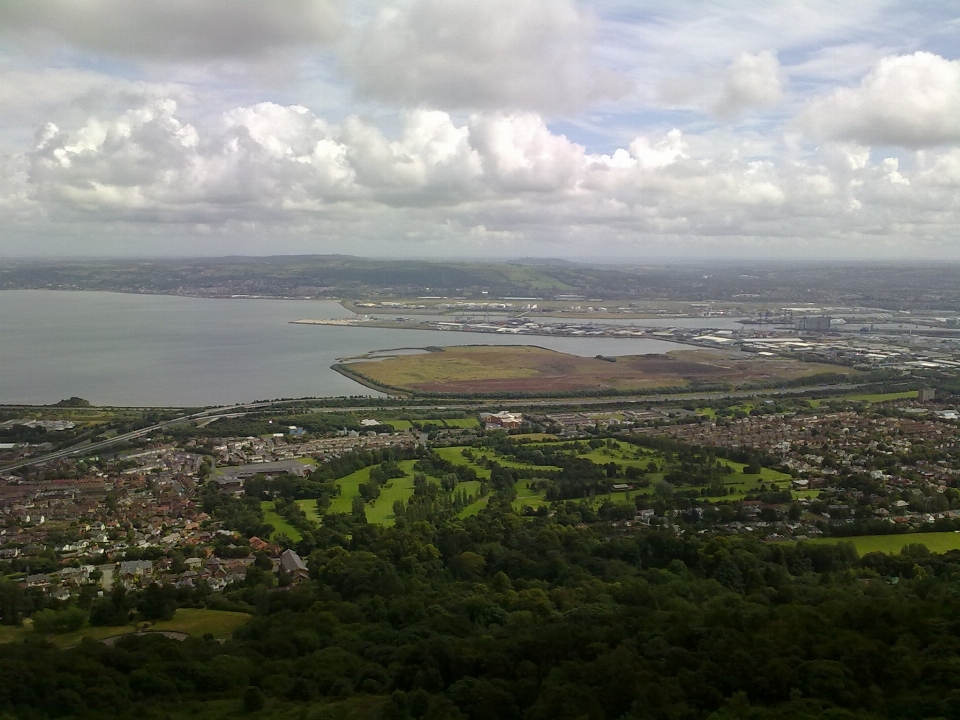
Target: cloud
x,y
909,100
751,81
272,170
481,54
174,29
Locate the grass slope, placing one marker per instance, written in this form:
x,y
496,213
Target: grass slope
x,y
280,525
192,621
938,542
381,510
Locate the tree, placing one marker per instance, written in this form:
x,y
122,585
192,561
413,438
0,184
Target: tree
x,y
358,509
158,602
53,622
13,603
253,699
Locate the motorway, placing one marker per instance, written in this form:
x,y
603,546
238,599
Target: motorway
x,y
240,410
212,414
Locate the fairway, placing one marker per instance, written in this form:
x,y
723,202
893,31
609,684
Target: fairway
x,y
529,369
309,508
280,525
380,511
627,455
938,542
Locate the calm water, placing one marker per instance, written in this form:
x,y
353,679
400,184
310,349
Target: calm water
x,y
115,349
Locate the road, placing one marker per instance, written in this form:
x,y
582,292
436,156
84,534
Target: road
x,y
240,410
211,414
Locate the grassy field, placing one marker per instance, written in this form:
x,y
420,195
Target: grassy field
x,y
468,422
187,620
381,510
309,508
625,455
534,437
280,525
480,369
534,278
938,542
399,424
869,398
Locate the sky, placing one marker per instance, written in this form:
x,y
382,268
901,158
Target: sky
x,y
601,131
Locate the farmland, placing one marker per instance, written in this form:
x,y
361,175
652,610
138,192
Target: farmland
x,y
527,369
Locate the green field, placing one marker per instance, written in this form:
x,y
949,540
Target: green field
x,y
626,455
474,508
869,398
467,422
280,525
187,620
454,455
938,542
381,510
309,508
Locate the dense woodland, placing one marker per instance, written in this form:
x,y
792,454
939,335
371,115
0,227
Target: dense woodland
x,y
499,617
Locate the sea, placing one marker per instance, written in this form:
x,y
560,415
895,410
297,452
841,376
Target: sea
x,y
168,351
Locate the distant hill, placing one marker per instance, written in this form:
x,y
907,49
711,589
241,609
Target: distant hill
x,y
342,276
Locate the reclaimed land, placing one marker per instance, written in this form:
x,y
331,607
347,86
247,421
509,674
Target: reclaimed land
x,y
531,370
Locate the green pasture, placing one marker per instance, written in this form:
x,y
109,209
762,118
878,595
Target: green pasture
x,y
938,542
535,437
465,422
534,278
192,621
869,397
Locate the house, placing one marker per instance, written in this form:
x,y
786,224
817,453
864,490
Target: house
x,y
292,565
133,569
258,545
505,420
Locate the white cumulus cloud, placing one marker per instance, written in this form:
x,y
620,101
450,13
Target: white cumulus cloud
x,y
481,54
269,168
908,100
173,29
751,81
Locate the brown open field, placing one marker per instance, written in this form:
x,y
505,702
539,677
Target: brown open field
x,y
529,369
